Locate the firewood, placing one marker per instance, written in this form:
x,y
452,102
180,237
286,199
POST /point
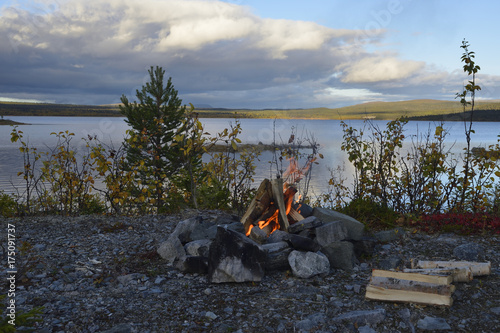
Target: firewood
x,y
410,287
426,287
477,268
444,280
462,274
279,201
259,204
393,295
295,216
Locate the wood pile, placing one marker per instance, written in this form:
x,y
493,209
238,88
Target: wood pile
x,y
427,282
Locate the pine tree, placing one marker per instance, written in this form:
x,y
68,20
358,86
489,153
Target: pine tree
x,y
155,119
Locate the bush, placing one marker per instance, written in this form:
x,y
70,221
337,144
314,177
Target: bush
x,y
374,215
8,205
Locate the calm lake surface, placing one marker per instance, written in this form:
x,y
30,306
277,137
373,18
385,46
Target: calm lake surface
x,y
328,133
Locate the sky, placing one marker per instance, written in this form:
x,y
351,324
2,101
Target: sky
x,y
247,53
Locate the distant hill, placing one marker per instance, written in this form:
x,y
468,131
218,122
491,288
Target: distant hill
x,y
420,109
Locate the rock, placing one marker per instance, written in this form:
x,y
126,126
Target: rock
x,y
304,209
308,264
193,264
366,329
307,223
130,278
355,229
362,317
226,219
277,256
433,324
236,226
233,257
172,249
364,247
341,255
210,315
184,229
301,243
469,252
204,230
120,328
258,235
392,262
330,232
389,235
278,236
198,247
495,310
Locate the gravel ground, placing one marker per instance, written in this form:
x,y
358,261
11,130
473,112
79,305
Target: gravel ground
x,y
95,274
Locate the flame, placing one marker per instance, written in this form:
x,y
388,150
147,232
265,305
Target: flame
x,y
271,223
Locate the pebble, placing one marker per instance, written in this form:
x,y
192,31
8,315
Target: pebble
x,y
90,278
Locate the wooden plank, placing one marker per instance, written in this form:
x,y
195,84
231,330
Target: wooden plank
x,y
394,295
259,204
477,268
444,280
279,201
462,274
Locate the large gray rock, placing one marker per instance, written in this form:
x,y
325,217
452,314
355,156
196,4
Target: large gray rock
x,y
278,236
301,243
469,252
307,223
330,232
198,247
308,264
355,229
204,230
171,250
277,255
233,257
193,264
341,255
184,229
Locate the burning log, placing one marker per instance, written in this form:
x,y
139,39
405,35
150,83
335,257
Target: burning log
x,y
260,203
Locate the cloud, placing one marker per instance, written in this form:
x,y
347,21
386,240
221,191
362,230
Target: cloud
x,y
379,69
218,53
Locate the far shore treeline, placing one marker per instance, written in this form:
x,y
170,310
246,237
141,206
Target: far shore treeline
x,y
421,109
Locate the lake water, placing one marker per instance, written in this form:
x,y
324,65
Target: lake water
x,y
328,133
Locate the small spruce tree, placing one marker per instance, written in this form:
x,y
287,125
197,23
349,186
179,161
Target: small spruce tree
x,y
155,119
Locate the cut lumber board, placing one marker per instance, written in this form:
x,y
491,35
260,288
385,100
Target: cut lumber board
x,y
393,295
443,280
477,268
461,274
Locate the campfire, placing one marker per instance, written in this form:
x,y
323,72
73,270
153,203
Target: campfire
x,y
271,208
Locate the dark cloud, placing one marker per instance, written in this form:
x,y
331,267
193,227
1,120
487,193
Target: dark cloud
x,y
92,52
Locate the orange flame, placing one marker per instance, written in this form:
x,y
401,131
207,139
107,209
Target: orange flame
x,y
272,224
